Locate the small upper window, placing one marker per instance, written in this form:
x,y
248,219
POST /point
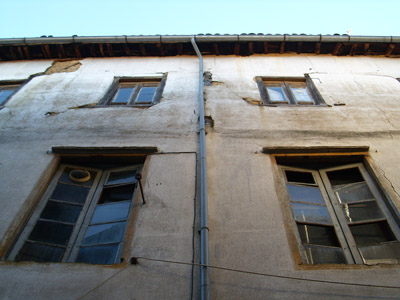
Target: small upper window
x,y
134,91
288,91
6,90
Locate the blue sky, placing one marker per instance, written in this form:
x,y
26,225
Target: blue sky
x,y
29,18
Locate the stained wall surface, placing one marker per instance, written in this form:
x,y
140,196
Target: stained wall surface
x,y
250,226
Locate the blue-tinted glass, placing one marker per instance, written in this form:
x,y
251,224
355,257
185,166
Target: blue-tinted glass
x,y
276,94
311,213
51,232
305,194
70,193
104,234
117,193
104,254
4,94
123,95
62,212
40,253
146,94
117,211
362,211
353,192
122,177
301,94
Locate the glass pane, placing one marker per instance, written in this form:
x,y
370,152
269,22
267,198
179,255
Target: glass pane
x,y
4,94
301,177
318,235
118,193
111,212
324,255
123,95
276,94
40,253
122,177
383,253
105,254
343,177
372,233
362,211
301,94
311,213
105,233
146,94
51,232
61,212
65,178
354,192
70,193
305,194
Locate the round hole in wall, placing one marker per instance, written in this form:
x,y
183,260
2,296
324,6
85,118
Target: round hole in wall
x,y
79,175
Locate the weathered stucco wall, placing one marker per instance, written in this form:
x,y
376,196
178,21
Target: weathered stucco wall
x,y
247,213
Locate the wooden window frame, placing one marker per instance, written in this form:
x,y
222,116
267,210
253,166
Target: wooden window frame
x,y
137,83
285,83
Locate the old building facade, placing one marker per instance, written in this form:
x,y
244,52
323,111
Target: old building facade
x,y
302,179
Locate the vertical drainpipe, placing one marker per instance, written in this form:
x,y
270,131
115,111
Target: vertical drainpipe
x,y
204,259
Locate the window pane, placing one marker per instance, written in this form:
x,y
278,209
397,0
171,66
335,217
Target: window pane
x,y
105,233
300,177
276,94
122,177
51,232
146,94
362,211
354,192
372,233
318,235
4,94
123,95
61,212
343,177
383,253
40,253
65,178
311,213
301,94
305,194
111,212
324,255
70,193
105,254
118,193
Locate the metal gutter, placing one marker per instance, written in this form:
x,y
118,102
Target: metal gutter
x,y
199,38
204,249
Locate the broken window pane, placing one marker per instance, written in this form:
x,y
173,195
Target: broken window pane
x,y
372,233
300,177
362,211
40,253
104,254
146,94
121,177
382,253
305,194
123,95
111,212
311,213
346,176
318,235
61,212
70,193
354,192
65,178
118,193
324,255
276,94
104,234
51,232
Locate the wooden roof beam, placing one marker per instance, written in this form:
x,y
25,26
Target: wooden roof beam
x,y
161,48
366,47
61,51
46,51
27,54
337,48
216,50
390,50
77,51
318,48
101,50
237,49
110,50
179,48
266,47
282,48
353,49
251,48
299,47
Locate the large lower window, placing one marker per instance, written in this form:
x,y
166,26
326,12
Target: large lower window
x,y
341,216
82,217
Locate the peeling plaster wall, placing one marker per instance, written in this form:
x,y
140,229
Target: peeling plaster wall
x,y
246,213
